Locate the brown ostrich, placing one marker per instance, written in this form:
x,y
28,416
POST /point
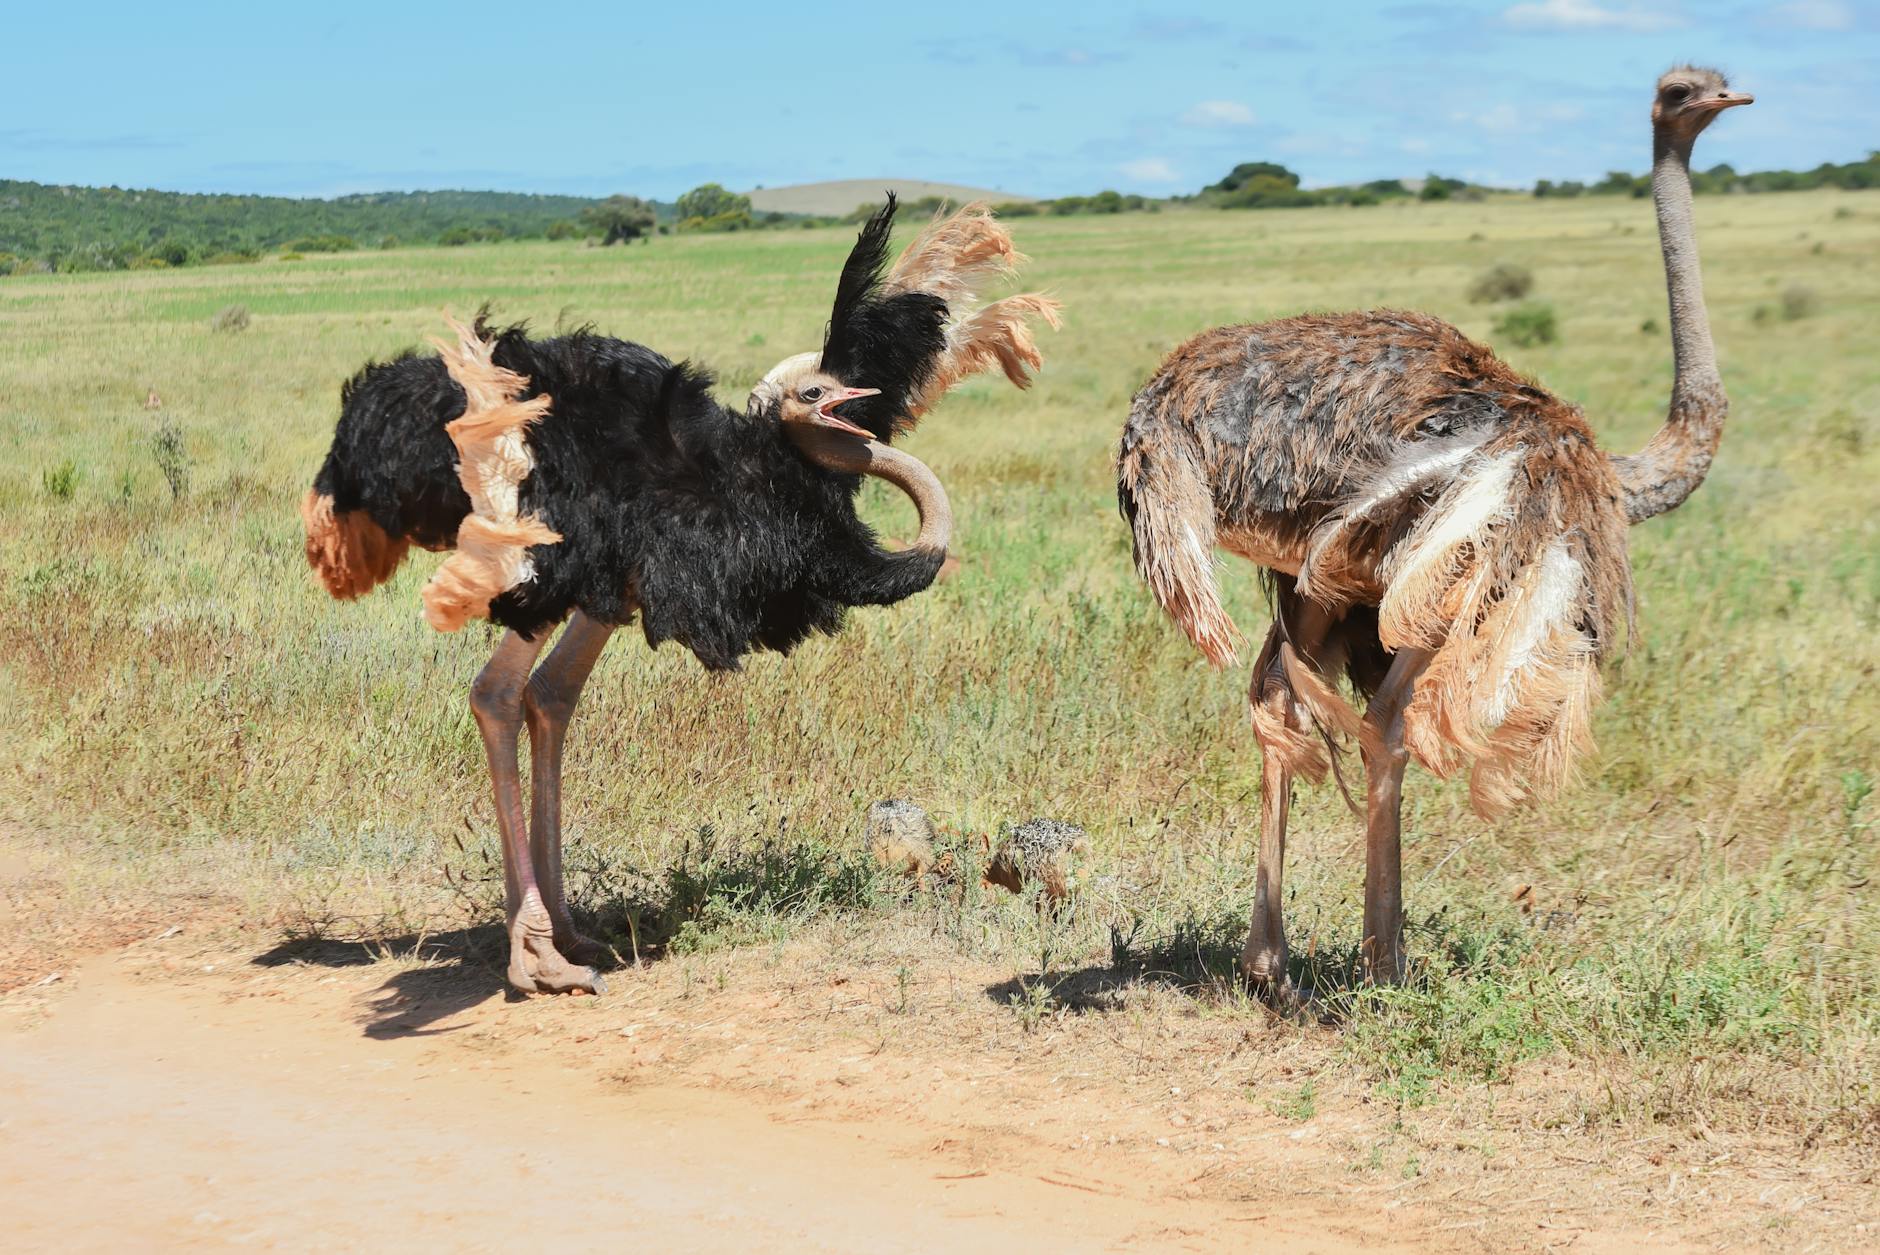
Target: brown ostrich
x,y
1431,523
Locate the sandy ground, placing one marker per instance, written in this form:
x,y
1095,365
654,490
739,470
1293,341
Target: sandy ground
x,y
174,1073
149,1111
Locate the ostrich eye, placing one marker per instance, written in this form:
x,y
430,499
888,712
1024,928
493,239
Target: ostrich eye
x,y
1677,93
811,394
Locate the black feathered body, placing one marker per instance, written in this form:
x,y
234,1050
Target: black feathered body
x,y
706,522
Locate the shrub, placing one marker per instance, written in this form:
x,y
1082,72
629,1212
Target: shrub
x,y
60,481
1528,325
1267,191
172,458
230,318
1502,282
324,244
1018,209
616,219
1799,301
730,220
456,237
711,200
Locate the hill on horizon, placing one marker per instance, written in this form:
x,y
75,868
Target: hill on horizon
x,y
835,197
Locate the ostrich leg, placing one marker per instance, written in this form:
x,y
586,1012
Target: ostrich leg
x,y
548,702
1301,627
1381,738
535,966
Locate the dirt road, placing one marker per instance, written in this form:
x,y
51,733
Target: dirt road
x,y
145,1108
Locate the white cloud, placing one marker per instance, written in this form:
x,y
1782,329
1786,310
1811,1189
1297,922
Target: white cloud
x,y
1502,119
1587,15
1150,170
1219,113
1814,15
1415,144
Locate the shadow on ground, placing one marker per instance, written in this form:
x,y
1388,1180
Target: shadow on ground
x,y
1198,961
460,969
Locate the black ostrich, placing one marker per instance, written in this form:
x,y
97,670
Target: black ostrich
x,y
590,479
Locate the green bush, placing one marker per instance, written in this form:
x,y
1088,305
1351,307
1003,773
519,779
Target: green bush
x,y
711,201
1799,301
1501,282
324,244
616,219
166,445
60,481
1528,325
730,220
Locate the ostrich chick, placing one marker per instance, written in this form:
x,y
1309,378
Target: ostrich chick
x,y
900,836
1040,850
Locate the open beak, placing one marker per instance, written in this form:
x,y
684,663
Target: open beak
x,y
1725,100
821,414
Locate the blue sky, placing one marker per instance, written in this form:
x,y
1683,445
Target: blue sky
x,y
1047,99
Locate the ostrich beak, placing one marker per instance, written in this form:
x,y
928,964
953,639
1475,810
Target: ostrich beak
x,y
1725,100
822,416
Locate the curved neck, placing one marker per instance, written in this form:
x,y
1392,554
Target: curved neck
x,y
851,455
1674,462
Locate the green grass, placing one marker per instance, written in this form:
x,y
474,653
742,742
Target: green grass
x,y
176,692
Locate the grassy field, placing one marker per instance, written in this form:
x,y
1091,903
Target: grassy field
x,y
1692,926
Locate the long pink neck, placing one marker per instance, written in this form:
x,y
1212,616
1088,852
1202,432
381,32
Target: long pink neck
x,y
1674,462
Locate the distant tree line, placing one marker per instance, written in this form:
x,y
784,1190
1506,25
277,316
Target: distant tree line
x,y
1850,176
50,227
46,227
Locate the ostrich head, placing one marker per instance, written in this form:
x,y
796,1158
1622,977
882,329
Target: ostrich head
x,y
899,338
880,348
799,390
1689,98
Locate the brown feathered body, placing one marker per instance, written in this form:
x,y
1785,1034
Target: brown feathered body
x,y
1419,488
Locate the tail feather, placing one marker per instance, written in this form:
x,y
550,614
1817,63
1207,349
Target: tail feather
x,y
1162,489
349,552
957,255
492,553
1513,570
954,259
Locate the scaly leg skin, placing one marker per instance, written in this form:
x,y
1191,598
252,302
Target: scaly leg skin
x,y
1263,959
548,704
1381,739
535,966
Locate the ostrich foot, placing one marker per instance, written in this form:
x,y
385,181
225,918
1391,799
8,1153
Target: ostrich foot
x,y
537,966
578,948
1265,973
